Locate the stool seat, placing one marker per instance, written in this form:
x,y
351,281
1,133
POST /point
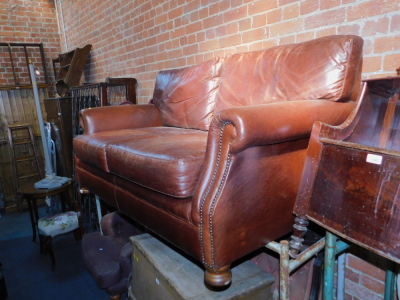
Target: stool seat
x,y
58,224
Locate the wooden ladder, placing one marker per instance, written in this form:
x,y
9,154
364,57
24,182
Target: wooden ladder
x,y
25,159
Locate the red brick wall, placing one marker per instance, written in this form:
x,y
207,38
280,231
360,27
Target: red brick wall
x,y
26,21
139,38
364,278
365,274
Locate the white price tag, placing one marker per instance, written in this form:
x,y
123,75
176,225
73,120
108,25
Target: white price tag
x,y
374,159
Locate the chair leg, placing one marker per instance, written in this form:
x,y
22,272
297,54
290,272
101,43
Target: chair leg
x,y
42,242
296,240
49,249
116,297
77,234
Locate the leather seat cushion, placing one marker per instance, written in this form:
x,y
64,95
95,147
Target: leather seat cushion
x,y
165,159
91,148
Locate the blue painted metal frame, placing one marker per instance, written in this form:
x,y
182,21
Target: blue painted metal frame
x,y
334,246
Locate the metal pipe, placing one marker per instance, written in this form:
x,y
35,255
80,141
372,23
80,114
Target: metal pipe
x,y
27,63
63,27
284,270
341,276
12,64
20,44
329,265
307,254
48,167
389,281
99,215
341,246
287,265
274,246
43,58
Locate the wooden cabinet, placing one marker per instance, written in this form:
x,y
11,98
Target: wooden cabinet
x,y
71,68
351,179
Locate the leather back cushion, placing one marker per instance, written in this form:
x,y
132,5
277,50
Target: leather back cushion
x,y
324,68
186,97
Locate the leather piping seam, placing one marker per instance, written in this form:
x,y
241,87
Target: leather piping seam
x,y
212,207
214,200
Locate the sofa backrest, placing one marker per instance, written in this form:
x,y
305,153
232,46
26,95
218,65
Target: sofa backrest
x,y
324,68
186,97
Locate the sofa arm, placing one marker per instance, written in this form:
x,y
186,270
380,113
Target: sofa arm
x,y
119,117
251,173
278,122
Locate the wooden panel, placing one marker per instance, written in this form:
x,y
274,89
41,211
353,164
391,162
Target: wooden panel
x,y
17,105
359,200
6,109
71,69
8,188
351,178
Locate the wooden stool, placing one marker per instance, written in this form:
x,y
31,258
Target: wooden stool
x,y
31,194
51,226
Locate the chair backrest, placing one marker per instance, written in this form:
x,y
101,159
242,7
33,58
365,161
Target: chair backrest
x,y
324,68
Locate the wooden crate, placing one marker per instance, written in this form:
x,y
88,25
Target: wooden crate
x,y
159,272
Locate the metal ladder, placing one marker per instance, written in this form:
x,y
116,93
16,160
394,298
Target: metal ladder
x,y
25,161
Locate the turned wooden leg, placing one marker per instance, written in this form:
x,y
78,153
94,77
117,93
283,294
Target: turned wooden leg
x,y
77,234
218,278
49,248
83,190
296,240
42,243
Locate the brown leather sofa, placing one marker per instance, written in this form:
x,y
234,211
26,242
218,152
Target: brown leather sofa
x,y
213,163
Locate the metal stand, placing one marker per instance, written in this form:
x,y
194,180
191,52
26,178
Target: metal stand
x,y
335,246
287,265
332,248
